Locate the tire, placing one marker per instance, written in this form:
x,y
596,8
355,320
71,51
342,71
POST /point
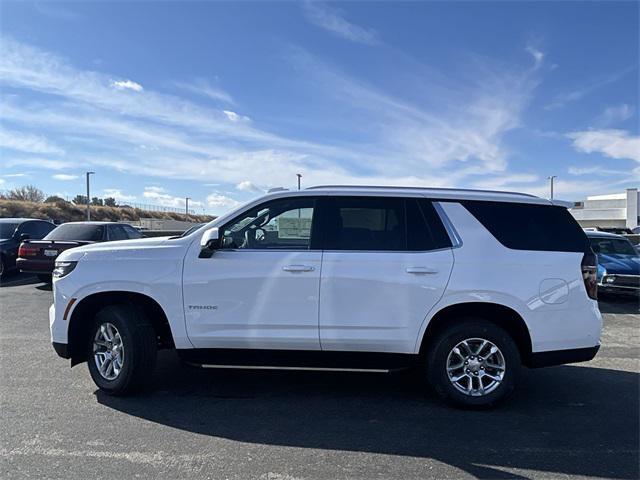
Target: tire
x,y
44,277
490,385
134,339
3,267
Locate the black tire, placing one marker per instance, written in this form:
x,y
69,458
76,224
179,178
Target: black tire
x,y
472,328
139,345
3,267
44,277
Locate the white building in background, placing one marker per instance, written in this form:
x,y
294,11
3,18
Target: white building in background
x,y
616,210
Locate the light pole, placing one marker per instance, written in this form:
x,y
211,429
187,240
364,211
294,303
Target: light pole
x,y
551,178
88,197
299,175
186,208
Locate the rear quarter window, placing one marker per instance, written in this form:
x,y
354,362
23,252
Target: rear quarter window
x,y
522,226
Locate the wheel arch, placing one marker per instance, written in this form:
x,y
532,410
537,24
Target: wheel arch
x,y
499,314
82,316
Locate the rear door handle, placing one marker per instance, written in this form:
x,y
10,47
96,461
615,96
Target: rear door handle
x,y
298,268
421,270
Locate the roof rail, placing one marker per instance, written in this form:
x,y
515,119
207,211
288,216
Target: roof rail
x,y
318,187
277,189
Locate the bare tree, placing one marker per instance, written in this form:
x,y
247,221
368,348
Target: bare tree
x,y
28,193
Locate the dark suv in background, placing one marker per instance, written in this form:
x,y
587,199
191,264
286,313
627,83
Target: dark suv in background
x,y
15,230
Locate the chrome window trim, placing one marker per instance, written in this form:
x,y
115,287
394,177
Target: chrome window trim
x,y
456,240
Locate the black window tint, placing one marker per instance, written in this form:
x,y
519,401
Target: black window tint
x,y
116,232
43,228
425,230
30,228
354,223
530,227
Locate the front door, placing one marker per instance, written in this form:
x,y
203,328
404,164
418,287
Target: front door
x,y
260,289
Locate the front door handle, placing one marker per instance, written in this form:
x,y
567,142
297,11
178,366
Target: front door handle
x,y
298,268
421,270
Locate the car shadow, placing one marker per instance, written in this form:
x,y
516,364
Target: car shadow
x,y
621,303
563,420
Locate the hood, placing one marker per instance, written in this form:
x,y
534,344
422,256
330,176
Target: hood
x,y
620,264
75,254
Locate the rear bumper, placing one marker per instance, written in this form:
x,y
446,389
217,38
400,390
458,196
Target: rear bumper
x,y
61,349
35,266
560,357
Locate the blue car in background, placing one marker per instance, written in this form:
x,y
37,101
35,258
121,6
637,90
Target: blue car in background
x,y
618,262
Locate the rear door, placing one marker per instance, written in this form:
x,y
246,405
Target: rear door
x,y
386,263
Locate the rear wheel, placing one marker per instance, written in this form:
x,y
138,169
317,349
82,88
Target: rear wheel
x,y
2,266
121,350
473,363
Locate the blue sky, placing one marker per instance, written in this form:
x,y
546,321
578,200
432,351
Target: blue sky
x,y
221,101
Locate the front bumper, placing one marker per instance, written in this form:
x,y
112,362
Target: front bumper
x,y
560,357
612,282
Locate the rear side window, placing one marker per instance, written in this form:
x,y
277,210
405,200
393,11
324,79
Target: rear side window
x,y
382,224
530,227
364,223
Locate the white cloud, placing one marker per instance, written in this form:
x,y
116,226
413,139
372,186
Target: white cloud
x,y
219,201
118,195
26,142
617,144
248,186
333,20
234,117
126,85
615,114
160,196
202,87
538,55
65,177
2,181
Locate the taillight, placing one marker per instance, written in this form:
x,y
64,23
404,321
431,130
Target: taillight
x,y
27,251
589,267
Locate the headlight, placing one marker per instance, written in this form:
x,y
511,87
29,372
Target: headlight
x,y
63,269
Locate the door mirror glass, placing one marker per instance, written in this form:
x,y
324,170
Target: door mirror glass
x,y
210,239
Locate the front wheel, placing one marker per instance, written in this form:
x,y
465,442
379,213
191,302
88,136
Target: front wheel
x,y
121,350
473,363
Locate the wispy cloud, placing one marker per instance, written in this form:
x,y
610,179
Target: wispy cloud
x,y
248,186
617,144
562,99
217,201
234,117
126,85
202,87
25,142
65,177
538,55
162,197
334,21
615,114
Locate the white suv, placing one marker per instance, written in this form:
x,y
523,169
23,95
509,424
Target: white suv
x,y
469,285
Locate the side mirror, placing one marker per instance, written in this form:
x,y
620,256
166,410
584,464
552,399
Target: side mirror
x,y
24,236
210,240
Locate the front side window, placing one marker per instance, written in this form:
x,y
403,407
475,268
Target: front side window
x,y
279,224
116,232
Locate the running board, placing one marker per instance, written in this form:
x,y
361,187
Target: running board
x,y
320,360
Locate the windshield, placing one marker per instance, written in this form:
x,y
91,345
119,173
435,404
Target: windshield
x,y
613,246
89,233
7,229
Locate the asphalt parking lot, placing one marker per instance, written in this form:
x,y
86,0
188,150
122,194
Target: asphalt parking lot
x,y
563,422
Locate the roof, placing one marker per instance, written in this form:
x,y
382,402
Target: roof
x,y
20,220
438,193
94,223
